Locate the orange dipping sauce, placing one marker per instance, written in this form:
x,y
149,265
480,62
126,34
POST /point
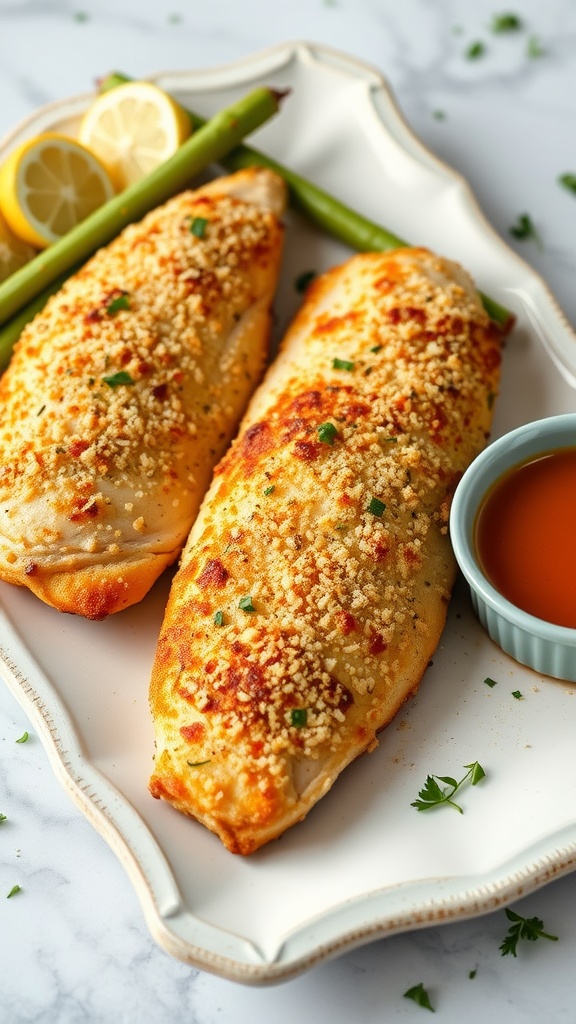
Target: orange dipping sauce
x,y
526,536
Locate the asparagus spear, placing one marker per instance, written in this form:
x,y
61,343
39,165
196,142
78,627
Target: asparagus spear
x,y
210,143
338,219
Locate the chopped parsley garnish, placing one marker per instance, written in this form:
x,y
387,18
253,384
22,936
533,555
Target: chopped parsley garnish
x,y
506,23
569,181
420,996
304,280
120,302
327,433
15,889
376,507
2,817
530,928
475,50
198,226
197,764
525,229
269,490
472,973
115,379
298,717
534,47
517,694
342,364
245,603
22,738
431,795
218,618
376,348
491,682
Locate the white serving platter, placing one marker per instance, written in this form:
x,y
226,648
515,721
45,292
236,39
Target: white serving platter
x,y
364,864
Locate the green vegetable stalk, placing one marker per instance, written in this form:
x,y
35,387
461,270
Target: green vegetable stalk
x,y
210,143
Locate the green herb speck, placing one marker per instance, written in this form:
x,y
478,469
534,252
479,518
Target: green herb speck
x,y
218,618
475,50
506,23
534,47
120,302
269,490
524,229
420,996
246,604
517,695
568,180
115,379
327,433
22,738
376,507
15,889
198,226
491,682
298,717
342,364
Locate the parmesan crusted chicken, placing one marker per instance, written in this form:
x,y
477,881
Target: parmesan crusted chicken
x,y
125,391
314,586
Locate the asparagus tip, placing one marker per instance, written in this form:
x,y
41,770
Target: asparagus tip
x,y
280,94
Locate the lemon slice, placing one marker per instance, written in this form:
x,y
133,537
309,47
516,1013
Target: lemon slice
x,y
133,128
14,253
48,185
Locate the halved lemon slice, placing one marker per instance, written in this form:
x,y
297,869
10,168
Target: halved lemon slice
x,y
14,253
134,128
48,185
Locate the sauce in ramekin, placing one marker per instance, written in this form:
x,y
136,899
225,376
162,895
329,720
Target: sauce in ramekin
x,y
525,536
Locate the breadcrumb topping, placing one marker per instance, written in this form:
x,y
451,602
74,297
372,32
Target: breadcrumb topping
x,y
338,535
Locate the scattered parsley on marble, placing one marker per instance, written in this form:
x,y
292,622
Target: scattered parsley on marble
x,y
420,996
530,928
525,230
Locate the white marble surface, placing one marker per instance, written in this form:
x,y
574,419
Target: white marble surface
x,y
74,945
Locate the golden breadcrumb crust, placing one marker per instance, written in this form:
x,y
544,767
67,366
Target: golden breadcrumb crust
x,y
313,589
126,389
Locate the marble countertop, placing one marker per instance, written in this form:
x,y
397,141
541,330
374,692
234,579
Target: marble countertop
x,y
74,944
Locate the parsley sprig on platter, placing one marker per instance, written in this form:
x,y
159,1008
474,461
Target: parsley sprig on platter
x,y
433,795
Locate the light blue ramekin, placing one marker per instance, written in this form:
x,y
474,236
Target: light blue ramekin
x,y
549,649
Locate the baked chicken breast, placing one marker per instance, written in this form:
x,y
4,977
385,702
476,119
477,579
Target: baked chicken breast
x,y
126,389
314,586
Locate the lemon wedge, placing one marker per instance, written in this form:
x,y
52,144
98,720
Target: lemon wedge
x,y
132,129
48,185
14,253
